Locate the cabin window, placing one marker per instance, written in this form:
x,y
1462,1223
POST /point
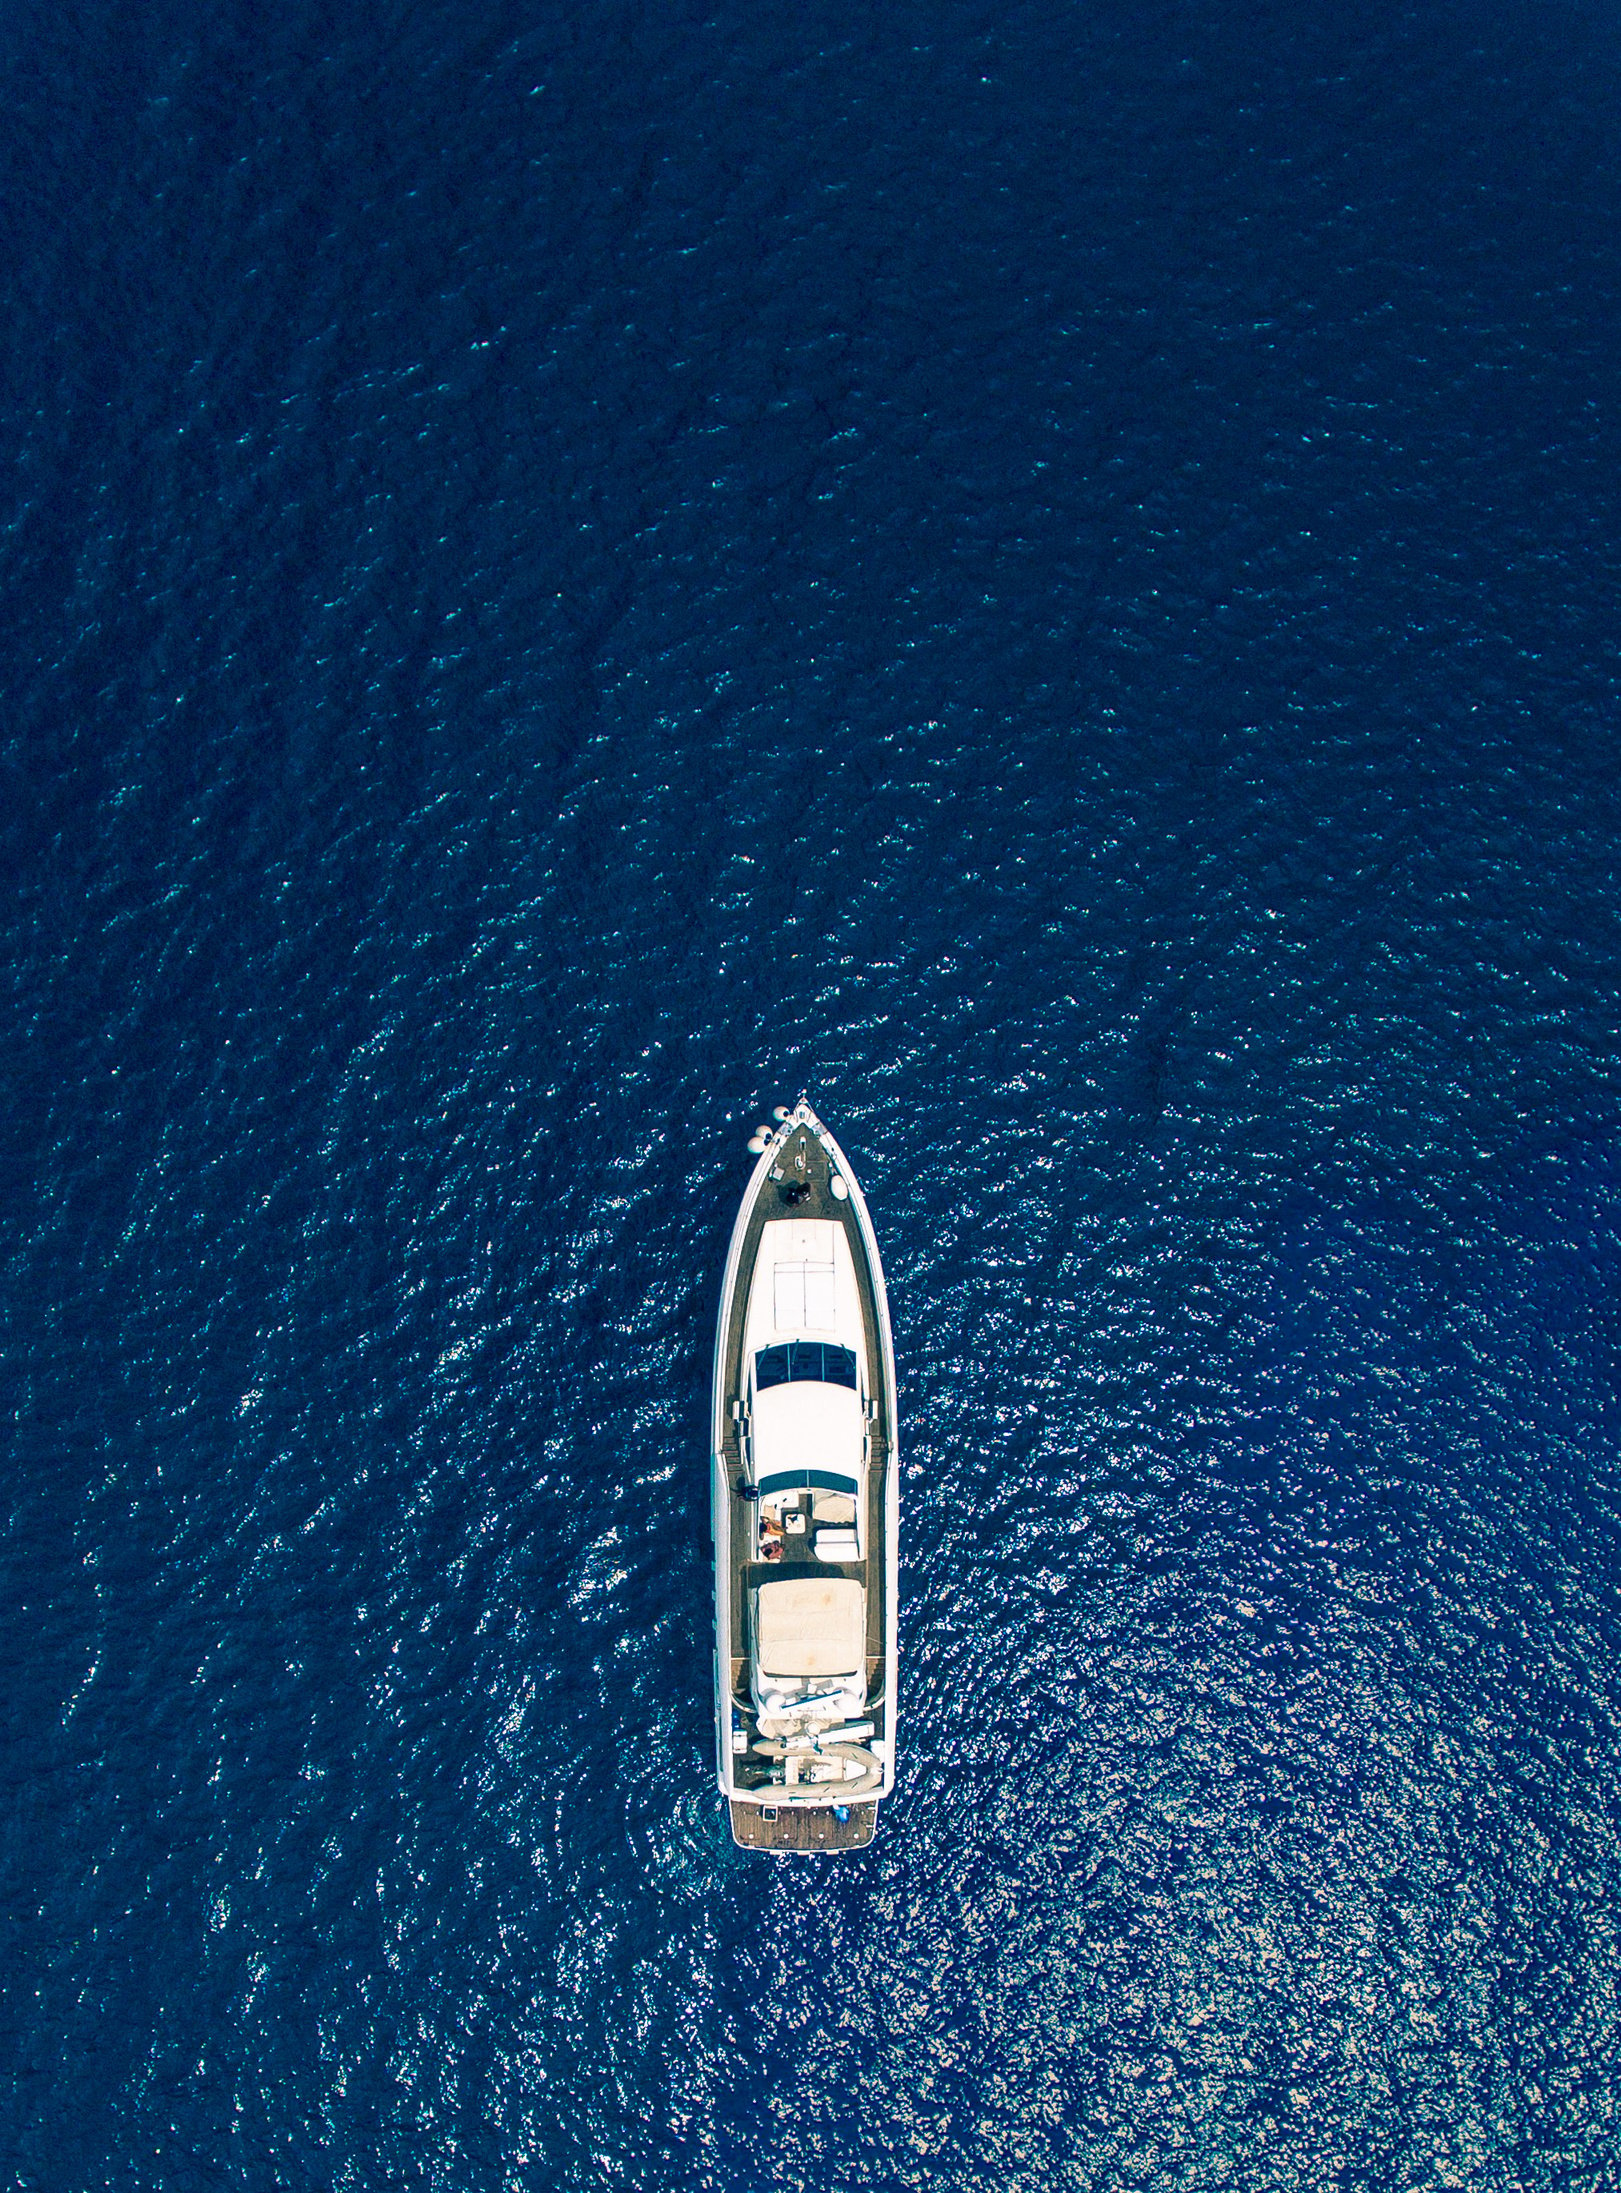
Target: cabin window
x,y
805,1359
806,1481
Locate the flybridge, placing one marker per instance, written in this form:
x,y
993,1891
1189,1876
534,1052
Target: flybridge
x,y
804,1498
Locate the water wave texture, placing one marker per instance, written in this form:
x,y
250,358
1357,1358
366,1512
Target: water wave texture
x,y
1044,576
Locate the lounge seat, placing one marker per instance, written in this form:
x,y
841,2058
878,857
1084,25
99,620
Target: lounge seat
x,y
837,1545
812,1626
833,1507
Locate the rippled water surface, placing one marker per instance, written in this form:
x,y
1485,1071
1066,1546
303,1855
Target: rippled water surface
x,y
1045,574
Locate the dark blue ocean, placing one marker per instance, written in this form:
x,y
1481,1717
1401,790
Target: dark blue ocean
x,y
1047,575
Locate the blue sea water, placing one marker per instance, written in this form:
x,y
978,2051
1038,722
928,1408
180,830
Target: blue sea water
x,y
1047,575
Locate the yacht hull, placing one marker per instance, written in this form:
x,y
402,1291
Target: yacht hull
x,y
804,1505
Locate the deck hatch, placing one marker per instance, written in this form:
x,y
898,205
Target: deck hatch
x,y
805,1295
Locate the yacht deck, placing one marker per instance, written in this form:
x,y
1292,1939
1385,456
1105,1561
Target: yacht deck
x,y
801,1187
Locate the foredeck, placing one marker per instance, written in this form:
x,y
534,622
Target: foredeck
x,y
800,1187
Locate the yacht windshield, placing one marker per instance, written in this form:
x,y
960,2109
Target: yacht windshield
x,y
805,1359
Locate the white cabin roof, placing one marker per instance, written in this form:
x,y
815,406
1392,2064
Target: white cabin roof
x,y
807,1426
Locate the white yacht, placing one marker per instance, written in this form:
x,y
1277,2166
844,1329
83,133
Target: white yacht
x,y
805,1504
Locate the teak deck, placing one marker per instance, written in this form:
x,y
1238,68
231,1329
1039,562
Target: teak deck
x,y
804,1827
